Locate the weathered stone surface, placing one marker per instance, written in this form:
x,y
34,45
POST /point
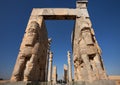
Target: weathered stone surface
x,y
32,60
87,54
65,77
88,65
28,65
47,60
50,67
81,4
63,13
54,75
69,67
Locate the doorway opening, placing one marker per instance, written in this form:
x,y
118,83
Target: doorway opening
x,y
61,33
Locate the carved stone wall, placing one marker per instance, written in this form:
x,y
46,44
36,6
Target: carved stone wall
x,y
88,65
31,60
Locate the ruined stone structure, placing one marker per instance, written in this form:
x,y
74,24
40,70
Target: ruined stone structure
x,y
50,67
33,49
47,60
69,67
65,77
88,64
32,60
54,75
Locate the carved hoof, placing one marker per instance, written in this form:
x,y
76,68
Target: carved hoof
x,y
25,78
14,79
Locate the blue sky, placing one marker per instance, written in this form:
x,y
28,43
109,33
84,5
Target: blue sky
x,y
14,15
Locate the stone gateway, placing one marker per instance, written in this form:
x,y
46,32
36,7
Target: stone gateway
x,y
32,60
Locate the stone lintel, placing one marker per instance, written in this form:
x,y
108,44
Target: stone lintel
x,y
59,13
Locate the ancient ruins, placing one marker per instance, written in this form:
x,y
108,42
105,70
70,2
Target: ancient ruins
x,y
69,67
32,60
54,75
50,67
65,76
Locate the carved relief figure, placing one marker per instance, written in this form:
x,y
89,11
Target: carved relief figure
x,y
28,65
87,61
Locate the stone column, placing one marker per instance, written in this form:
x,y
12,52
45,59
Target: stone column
x,y
54,75
69,67
50,67
65,73
47,60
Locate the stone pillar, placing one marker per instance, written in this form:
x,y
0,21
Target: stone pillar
x,y
31,60
88,65
65,73
69,67
47,60
50,67
54,75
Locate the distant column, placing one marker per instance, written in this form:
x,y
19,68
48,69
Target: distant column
x,y
54,75
65,73
50,67
69,67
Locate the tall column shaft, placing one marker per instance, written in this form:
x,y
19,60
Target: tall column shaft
x,y
65,73
47,60
50,67
54,75
69,67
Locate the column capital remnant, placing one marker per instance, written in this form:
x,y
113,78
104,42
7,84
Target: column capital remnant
x,y
82,1
68,53
82,4
51,55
